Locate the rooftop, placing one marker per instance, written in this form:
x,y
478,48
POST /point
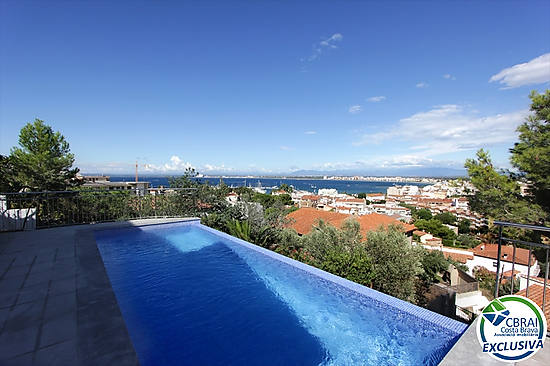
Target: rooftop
x,y
507,253
305,218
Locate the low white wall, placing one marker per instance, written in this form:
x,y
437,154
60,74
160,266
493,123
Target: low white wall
x,y
18,219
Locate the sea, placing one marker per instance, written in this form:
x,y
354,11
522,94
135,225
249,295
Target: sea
x,y
269,184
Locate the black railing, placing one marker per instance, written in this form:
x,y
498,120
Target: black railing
x,y
501,239
36,210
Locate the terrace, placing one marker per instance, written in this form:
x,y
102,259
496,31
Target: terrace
x,y
57,306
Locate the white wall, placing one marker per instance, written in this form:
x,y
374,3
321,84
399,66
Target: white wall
x,y
490,264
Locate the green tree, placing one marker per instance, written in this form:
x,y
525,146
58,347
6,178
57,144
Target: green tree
x,y
285,187
446,218
43,161
395,261
187,180
436,228
8,182
531,154
423,214
340,251
464,226
498,195
433,264
467,241
354,265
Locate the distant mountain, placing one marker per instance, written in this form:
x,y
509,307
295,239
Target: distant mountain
x,y
427,172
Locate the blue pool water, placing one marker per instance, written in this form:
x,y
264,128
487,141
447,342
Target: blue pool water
x,y
192,296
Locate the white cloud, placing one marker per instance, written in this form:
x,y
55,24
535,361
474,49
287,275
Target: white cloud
x,y
355,109
449,128
421,85
175,165
310,132
323,46
448,76
328,42
286,148
407,161
536,71
376,99
207,168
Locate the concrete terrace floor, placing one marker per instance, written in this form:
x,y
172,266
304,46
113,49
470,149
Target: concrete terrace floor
x,y
57,306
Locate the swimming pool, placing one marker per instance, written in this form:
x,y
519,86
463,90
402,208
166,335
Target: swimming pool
x,y
191,295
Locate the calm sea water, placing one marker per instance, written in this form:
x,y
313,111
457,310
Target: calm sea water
x,y
310,185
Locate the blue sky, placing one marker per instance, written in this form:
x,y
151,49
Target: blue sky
x,y
272,87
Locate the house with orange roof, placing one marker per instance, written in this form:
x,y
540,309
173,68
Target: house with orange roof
x,y
304,219
350,205
486,255
434,242
375,197
309,200
459,255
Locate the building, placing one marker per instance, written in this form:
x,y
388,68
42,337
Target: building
x,y
104,182
309,200
350,205
485,255
304,219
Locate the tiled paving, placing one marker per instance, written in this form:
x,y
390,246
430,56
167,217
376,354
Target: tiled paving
x,y
57,306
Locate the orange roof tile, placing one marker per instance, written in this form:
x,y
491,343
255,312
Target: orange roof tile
x,y
536,294
311,197
304,218
459,257
507,253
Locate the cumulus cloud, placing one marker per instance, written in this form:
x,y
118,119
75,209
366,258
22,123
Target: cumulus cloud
x,y
448,76
536,71
421,85
449,128
355,109
376,99
310,132
175,165
323,46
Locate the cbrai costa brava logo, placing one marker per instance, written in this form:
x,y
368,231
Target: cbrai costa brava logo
x,y
511,328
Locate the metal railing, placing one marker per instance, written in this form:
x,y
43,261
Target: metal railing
x,y
442,288
502,239
36,210
465,287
